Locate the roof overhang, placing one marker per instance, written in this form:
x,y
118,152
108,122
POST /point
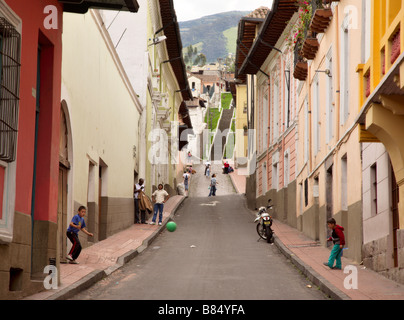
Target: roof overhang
x,y
387,87
245,39
174,46
282,11
82,6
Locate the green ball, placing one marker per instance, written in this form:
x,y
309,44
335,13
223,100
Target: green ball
x,y
171,226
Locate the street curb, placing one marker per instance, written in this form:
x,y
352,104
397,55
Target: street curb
x,y
98,275
323,284
318,280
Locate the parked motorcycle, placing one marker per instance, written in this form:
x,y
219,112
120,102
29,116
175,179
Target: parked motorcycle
x,y
264,220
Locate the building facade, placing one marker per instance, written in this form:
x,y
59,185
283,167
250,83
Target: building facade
x,y
380,121
168,122
100,119
329,164
30,128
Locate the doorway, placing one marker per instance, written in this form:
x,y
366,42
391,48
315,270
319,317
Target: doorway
x,y
329,198
102,204
62,213
396,223
63,192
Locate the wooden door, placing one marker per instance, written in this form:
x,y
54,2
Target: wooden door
x,y
396,222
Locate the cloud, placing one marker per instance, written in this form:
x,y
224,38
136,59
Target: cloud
x,y
193,9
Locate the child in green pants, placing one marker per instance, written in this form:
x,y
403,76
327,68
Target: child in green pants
x,y
338,239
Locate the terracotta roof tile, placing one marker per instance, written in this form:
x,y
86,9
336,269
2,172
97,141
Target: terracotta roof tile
x,y
259,13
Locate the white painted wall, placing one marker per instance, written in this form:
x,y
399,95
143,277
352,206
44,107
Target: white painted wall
x,y
379,225
103,108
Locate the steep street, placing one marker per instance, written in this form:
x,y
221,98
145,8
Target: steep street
x,y
213,254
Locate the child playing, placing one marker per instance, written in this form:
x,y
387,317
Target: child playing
x,y
213,184
75,226
338,239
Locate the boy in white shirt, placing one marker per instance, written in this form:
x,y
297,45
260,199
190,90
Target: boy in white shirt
x,y
160,196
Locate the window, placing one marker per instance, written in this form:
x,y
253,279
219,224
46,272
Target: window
x,y
330,100
345,69
306,131
265,123
9,90
316,115
275,123
10,47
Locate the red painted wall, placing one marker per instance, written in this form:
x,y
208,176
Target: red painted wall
x,y
34,32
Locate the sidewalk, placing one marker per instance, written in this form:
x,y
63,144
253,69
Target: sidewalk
x,y
308,256
107,256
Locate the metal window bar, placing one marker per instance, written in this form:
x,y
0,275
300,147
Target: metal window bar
x,y
10,51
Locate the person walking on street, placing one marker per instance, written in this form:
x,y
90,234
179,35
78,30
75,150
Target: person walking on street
x,y
207,168
75,226
160,197
213,184
138,188
338,239
186,181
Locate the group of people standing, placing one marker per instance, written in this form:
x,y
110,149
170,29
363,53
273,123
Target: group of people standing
x,y
143,204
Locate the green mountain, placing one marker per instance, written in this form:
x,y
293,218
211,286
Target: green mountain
x,y
214,35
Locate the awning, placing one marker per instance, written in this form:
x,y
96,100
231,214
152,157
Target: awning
x,y
82,6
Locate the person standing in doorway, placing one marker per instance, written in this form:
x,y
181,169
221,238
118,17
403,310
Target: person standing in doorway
x,y
75,226
213,184
160,196
139,187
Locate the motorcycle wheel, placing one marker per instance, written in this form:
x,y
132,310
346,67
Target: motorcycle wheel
x,y
268,234
261,231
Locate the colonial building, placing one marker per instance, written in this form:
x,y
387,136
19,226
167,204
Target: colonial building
x,y
248,28
30,122
329,159
380,119
100,120
268,64
168,123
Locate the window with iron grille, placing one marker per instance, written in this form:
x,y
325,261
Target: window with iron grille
x,y
10,42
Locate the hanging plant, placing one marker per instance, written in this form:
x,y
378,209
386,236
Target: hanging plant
x,y
299,29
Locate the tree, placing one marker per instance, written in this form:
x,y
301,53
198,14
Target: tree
x,y
192,57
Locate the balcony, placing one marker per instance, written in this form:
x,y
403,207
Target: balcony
x,y
322,15
310,46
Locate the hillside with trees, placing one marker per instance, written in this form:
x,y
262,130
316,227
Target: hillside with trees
x,y
213,35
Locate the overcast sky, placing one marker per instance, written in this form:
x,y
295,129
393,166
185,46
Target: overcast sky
x,y
194,9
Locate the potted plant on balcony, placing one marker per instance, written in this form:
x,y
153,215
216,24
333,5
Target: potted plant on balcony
x,y
299,29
